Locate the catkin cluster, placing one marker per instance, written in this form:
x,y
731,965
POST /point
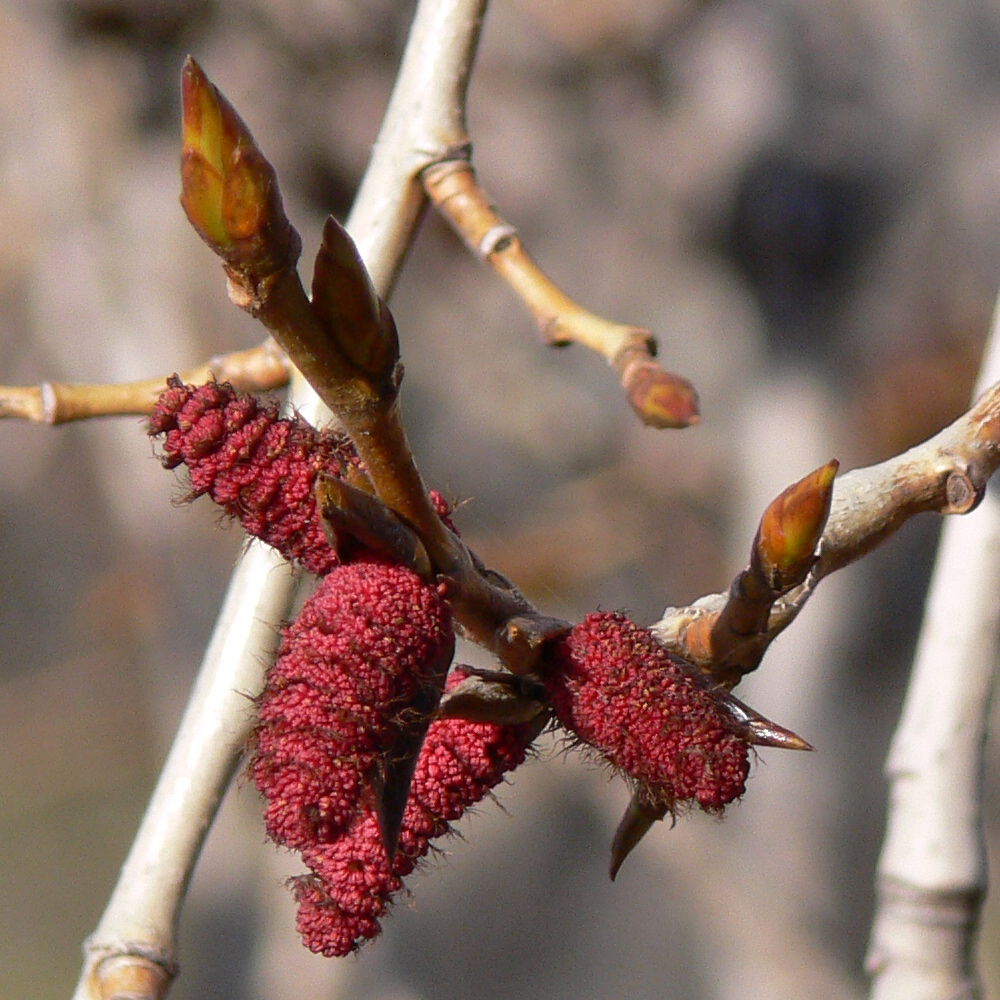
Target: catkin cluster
x,y
361,669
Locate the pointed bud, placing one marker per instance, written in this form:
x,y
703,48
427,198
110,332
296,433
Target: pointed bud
x,y
229,190
393,791
492,696
662,399
345,300
792,526
755,729
349,513
640,815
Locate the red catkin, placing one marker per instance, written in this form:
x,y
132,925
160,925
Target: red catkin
x,y
342,902
620,691
259,467
366,646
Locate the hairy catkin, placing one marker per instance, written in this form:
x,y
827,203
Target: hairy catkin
x,y
616,687
342,902
369,644
259,467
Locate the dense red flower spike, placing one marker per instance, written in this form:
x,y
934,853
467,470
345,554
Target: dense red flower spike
x,y
341,904
619,690
258,467
364,647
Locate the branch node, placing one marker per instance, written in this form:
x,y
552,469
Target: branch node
x,y
497,239
133,977
964,491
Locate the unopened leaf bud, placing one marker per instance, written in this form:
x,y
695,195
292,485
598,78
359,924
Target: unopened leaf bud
x,y
792,527
228,188
660,398
344,299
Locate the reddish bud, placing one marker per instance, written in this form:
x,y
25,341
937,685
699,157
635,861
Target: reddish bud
x,y
352,314
792,526
620,691
258,467
660,398
341,904
373,641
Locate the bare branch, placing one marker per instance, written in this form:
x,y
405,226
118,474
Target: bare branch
x,y
660,398
947,474
933,869
343,341
260,369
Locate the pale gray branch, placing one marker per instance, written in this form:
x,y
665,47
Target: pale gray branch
x,y
932,875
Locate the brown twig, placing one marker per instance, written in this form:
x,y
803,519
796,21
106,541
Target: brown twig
x,y
947,474
259,369
660,398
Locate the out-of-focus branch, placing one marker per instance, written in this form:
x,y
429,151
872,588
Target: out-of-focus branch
x,y
260,369
660,398
133,951
932,874
947,474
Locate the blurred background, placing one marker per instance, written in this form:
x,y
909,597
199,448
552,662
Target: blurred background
x,y
800,197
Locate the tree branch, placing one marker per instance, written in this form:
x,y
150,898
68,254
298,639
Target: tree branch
x,y
947,474
932,874
660,398
260,369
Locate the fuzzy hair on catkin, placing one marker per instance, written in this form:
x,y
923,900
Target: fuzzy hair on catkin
x,y
618,690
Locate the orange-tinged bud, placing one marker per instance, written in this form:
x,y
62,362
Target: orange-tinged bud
x,y
661,398
792,526
228,189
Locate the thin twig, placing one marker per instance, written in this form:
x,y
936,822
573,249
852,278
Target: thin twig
x,y
659,397
932,875
259,369
947,474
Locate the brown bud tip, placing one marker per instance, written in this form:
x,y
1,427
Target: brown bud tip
x,y
639,817
489,696
661,398
755,729
792,526
228,189
345,300
347,511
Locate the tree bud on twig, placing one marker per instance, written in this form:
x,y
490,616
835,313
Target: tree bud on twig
x,y
792,526
229,190
347,306
660,398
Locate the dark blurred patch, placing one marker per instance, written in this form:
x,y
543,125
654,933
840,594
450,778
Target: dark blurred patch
x,y
907,397
325,183
160,32
797,232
